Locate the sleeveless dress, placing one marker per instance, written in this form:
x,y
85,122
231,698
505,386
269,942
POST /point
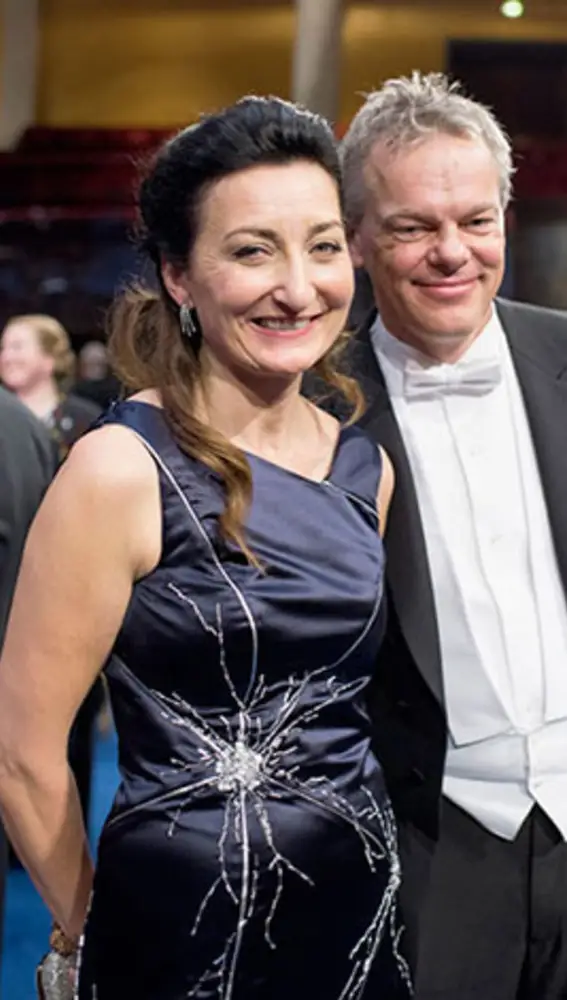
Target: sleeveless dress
x,y
250,853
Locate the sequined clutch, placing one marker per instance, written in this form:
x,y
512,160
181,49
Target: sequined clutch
x,y
54,976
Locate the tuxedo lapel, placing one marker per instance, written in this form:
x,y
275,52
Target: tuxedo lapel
x,y
407,565
538,344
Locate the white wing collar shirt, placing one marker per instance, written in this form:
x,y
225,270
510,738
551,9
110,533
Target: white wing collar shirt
x,y
500,604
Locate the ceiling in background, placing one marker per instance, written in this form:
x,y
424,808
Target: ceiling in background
x,y
534,9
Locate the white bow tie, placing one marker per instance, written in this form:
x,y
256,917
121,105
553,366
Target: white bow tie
x,y
470,377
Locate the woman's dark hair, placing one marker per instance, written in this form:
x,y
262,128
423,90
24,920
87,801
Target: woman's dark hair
x,y
146,345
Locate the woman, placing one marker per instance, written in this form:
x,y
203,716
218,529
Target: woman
x,y
37,364
231,579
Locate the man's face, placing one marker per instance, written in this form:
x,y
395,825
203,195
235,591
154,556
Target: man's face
x,y
432,240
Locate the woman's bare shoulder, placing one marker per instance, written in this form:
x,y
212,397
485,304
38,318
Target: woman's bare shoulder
x,y
106,495
109,457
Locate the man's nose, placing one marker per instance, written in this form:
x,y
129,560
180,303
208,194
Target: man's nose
x,y
449,251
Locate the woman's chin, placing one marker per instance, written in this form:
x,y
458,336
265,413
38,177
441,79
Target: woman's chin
x,y
290,362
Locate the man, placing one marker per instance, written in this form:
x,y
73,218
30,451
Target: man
x,y
468,394
96,382
27,463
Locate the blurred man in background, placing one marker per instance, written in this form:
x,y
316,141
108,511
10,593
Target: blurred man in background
x,y
95,380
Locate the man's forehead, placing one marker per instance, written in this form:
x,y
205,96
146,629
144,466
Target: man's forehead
x,y
385,153
426,171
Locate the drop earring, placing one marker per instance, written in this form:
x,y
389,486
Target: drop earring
x,y
186,322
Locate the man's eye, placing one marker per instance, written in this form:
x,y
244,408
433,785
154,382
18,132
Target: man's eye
x,y
481,222
409,232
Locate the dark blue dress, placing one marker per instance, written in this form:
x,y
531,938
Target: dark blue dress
x,y
251,850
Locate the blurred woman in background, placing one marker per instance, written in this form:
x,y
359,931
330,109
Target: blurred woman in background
x,y
38,365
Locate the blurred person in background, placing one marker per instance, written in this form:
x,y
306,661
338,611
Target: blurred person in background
x,y
27,465
92,361
250,853
95,380
38,365
469,395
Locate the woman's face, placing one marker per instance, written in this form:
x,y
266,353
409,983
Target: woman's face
x,y
270,275
23,362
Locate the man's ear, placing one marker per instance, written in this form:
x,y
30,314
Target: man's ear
x,y
354,245
176,282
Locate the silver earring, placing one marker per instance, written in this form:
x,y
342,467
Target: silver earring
x,y
186,322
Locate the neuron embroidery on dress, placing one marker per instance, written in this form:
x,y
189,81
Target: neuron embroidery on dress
x,y
249,765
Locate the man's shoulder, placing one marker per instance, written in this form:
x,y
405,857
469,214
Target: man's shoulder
x,y
526,317
78,406
27,461
16,418
24,439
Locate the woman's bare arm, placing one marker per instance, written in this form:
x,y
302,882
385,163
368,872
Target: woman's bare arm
x,y
97,531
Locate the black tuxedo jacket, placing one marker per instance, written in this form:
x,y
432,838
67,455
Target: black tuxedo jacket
x,y
27,464
407,699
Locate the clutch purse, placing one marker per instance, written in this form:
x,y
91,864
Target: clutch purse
x,y
54,977
56,972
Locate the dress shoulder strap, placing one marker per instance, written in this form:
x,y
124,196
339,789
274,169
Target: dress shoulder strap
x,y
357,469
192,496
149,424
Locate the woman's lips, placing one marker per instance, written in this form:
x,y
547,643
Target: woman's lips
x,y
295,329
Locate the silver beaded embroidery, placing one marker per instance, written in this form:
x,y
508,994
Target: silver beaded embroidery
x,y
239,767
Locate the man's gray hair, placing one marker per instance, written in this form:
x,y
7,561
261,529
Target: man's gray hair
x,y
407,110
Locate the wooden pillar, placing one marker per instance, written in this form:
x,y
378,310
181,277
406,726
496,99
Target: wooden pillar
x,y
317,55
20,30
